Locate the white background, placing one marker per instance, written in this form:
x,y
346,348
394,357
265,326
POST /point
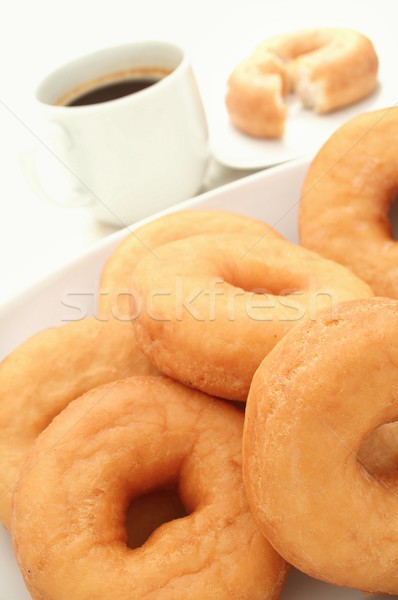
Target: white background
x,y
37,36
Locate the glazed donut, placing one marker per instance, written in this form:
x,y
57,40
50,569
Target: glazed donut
x,y
327,68
212,306
115,298
40,377
313,400
346,196
117,442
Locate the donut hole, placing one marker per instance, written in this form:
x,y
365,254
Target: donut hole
x,y
378,453
251,277
147,512
393,217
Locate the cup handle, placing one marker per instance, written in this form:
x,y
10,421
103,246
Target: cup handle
x,y
52,148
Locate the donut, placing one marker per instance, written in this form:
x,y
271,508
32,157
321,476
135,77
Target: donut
x,y
115,298
255,96
212,306
115,443
313,400
346,196
327,68
40,377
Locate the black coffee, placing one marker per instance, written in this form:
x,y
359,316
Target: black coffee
x,y
113,86
112,91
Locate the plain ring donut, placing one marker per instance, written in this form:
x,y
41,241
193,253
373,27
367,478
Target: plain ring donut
x,y
46,372
212,306
313,401
118,442
346,197
115,297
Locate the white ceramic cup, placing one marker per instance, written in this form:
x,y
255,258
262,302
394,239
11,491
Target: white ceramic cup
x,y
135,155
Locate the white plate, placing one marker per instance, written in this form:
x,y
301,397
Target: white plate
x,y
271,195
305,131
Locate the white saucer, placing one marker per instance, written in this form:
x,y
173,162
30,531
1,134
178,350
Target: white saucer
x,y
305,131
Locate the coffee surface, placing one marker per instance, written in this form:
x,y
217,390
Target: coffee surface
x,y
112,86
112,91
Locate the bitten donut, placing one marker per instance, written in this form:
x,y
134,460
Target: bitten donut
x,y
327,68
41,376
115,297
313,401
212,306
118,442
346,196
255,96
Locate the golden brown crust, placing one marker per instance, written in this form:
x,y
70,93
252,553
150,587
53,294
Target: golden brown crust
x,y
212,306
115,298
327,68
313,400
45,373
118,442
346,197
